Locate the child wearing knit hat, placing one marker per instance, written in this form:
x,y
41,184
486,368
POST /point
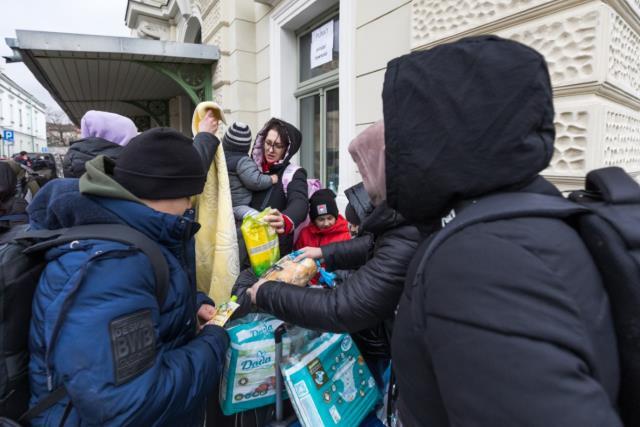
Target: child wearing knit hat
x,y
244,175
327,225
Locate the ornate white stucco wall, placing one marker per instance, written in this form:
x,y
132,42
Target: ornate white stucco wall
x,y
592,47
593,52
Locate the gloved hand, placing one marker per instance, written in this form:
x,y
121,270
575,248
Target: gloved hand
x,y
245,280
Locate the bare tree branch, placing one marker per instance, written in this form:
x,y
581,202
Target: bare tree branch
x,y
60,131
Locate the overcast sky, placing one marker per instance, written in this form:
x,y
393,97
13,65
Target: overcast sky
x,y
102,17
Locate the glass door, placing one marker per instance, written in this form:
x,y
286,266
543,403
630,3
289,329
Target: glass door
x,y
332,139
310,152
319,124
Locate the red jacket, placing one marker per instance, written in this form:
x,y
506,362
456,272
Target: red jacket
x,y
312,236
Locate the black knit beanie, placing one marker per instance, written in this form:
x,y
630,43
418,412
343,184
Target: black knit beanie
x,y
237,138
323,202
160,163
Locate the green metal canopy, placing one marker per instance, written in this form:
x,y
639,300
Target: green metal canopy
x,y
129,76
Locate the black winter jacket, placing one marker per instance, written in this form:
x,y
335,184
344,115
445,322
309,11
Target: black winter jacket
x,y
293,203
84,150
13,208
206,145
348,254
368,296
508,322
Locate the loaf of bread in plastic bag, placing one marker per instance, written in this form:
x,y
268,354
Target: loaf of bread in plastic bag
x,y
295,273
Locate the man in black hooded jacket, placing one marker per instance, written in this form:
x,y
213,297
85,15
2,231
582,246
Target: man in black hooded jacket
x,y
507,323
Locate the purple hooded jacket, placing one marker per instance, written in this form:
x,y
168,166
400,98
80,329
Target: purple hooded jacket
x,y
110,126
102,133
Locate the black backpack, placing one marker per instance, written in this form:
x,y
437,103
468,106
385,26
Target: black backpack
x,y
21,263
607,216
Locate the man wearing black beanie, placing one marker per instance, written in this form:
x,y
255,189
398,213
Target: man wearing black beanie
x,y
123,355
160,164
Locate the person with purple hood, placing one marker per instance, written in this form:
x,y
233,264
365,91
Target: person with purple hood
x,y
102,133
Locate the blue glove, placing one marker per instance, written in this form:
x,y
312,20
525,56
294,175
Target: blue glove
x,y
326,277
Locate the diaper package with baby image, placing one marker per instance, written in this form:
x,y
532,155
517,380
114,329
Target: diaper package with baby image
x,y
329,383
248,379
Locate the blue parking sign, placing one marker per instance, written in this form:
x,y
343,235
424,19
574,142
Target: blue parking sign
x,y
7,135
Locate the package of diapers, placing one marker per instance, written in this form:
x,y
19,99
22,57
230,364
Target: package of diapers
x,y
329,383
248,378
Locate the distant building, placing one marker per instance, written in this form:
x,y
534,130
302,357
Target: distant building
x,y
23,114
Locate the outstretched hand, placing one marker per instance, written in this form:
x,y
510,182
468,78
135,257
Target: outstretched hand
x,y
245,280
206,312
253,290
209,123
308,252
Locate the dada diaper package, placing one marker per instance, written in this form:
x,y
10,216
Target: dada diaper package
x,y
248,379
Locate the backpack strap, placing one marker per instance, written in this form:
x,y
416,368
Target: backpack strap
x,y
613,185
111,232
15,217
487,209
613,195
29,235
505,206
287,176
267,196
47,402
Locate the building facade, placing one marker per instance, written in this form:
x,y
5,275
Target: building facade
x,y
320,64
24,115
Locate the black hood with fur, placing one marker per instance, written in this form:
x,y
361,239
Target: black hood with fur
x,y
462,120
291,136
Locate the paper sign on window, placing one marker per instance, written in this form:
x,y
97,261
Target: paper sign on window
x,y
322,45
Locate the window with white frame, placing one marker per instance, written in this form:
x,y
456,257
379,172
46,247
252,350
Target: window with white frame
x,y
317,94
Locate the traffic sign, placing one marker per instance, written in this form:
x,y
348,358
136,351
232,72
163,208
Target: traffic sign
x,y
7,135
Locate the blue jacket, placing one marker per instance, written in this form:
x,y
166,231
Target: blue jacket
x,y
97,327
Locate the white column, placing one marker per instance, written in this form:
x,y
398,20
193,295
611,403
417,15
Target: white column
x,y
347,168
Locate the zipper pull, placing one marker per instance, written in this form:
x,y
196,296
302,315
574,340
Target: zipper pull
x,y
49,381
